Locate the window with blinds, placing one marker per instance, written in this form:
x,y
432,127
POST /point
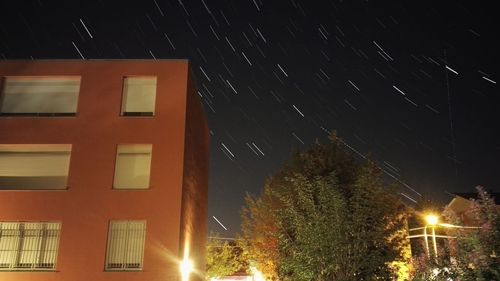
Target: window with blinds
x,y
139,95
34,166
29,245
126,245
133,165
40,96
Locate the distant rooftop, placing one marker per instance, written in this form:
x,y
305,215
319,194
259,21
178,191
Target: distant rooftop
x,y
474,195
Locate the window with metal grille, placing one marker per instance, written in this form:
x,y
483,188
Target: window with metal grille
x,y
29,245
139,95
126,245
40,96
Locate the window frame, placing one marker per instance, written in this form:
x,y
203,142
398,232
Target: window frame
x,y
133,114
37,150
115,175
3,84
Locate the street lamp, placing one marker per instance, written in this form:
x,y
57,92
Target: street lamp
x,y
257,275
186,267
431,220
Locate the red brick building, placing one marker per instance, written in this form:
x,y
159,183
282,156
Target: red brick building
x,y
103,170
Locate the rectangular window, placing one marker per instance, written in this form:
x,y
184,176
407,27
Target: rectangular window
x,y
126,245
133,165
40,96
29,245
139,94
34,166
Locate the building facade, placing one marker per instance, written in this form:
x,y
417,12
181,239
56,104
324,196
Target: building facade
x,y
103,170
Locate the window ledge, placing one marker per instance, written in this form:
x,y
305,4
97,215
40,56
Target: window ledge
x,y
29,190
3,114
124,270
137,114
131,189
27,270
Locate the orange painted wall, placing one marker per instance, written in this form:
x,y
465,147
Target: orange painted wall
x,y
89,203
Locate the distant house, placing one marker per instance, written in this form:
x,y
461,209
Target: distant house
x,y
462,202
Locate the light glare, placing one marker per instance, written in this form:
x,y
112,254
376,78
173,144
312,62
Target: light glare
x,y
186,268
431,219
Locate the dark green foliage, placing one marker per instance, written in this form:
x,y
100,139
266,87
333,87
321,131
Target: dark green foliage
x,y
310,220
332,219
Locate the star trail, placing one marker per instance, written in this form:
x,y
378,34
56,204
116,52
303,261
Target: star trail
x,y
412,84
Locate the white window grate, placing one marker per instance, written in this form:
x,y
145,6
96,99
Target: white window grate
x,y
29,245
126,245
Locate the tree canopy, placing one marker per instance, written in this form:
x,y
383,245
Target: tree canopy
x,y
223,258
325,216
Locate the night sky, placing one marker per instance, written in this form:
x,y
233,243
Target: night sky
x,y
413,83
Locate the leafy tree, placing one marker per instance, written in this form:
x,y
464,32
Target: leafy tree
x,y
259,241
312,223
377,229
223,258
326,217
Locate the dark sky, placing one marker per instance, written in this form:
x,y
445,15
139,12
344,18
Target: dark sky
x,y
276,75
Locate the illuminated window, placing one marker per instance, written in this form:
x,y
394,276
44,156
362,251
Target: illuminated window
x,y
126,245
34,166
139,94
133,165
29,245
40,96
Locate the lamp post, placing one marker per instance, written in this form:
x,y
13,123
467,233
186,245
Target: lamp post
x,y
426,243
431,220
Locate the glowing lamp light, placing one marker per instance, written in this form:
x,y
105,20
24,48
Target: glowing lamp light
x,y
431,219
186,267
257,275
